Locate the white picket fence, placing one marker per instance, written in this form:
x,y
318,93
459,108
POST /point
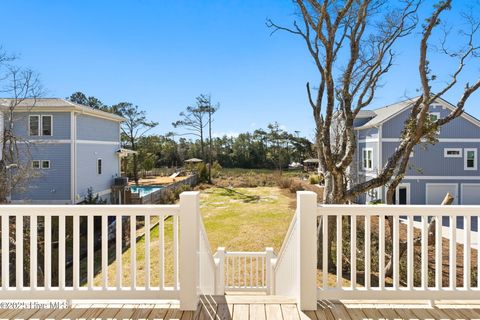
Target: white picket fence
x,y
360,233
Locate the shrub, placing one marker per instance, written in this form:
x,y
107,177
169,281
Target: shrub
x,y
216,169
296,186
91,198
314,179
202,172
283,182
167,197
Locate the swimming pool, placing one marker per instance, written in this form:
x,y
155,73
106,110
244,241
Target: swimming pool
x,y
144,190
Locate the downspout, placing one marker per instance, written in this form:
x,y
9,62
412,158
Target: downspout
x,y
73,157
380,159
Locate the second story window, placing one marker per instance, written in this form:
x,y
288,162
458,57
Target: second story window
x,y
34,125
40,125
99,166
46,125
367,159
470,161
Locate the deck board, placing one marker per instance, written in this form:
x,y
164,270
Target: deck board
x,y
253,308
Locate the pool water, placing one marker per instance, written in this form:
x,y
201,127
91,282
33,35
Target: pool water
x,y
144,190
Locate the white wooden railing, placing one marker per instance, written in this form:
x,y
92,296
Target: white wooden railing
x,y
437,242
207,264
245,271
53,252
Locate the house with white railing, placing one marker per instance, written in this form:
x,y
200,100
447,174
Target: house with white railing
x,y
291,282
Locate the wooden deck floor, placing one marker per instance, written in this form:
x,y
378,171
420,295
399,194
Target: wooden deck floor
x,y
253,307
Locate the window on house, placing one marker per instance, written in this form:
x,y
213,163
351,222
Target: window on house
x,y
434,116
99,166
470,162
45,164
367,159
35,164
46,125
34,125
452,152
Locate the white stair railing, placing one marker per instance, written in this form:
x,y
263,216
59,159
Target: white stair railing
x,y
430,248
208,267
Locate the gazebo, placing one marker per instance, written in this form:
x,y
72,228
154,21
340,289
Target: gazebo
x,y
310,164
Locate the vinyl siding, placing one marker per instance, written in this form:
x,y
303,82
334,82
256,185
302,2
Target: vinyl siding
x,y
87,155
418,192
458,128
97,129
61,125
429,160
371,133
50,184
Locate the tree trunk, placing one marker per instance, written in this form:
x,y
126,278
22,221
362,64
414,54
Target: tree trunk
x,y
210,146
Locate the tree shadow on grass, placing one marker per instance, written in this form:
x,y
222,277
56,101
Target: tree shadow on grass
x,y
228,192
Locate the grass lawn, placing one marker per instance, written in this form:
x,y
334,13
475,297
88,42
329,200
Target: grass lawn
x,y
240,219
246,219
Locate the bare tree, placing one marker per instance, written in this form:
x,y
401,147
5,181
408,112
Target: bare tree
x,y
22,87
352,44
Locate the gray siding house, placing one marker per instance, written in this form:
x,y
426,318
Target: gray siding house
x,y
71,148
450,165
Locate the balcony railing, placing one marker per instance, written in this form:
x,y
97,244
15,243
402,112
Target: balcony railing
x,y
85,252
40,268
433,250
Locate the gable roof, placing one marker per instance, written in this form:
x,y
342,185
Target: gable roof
x,y
57,104
381,115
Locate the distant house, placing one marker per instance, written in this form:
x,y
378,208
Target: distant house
x,y
451,165
71,148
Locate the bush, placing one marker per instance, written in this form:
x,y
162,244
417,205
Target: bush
x,y
314,179
296,186
202,173
167,197
284,182
91,198
180,189
216,169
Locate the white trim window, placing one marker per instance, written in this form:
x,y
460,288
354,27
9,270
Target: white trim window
x,y
47,125
40,125
34,126
470,160
45,164
99,165
40,164
452,152
434,116
35,164
367,158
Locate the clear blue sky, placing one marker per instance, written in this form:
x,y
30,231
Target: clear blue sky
x,y
162,54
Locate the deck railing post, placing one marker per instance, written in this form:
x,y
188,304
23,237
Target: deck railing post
x,y
270,274
307,222
188,249
220,276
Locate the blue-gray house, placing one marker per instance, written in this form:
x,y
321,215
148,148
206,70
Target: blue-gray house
x,y
451,165
71,148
